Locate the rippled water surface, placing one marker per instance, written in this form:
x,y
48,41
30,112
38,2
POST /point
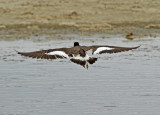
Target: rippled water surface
x,y
126,83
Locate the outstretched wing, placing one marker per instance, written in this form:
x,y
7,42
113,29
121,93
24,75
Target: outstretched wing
x,y
47,54
108,49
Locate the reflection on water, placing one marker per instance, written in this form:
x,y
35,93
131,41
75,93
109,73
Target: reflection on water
x,y
127,82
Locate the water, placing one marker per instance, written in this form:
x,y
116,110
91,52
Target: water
x,y
125,83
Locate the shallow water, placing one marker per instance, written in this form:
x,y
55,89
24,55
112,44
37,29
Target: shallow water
x,y
125,83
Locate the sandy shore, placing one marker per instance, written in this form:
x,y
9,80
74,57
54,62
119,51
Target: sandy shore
x,y
21,19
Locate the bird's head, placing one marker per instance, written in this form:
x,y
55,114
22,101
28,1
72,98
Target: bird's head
x,y
76,43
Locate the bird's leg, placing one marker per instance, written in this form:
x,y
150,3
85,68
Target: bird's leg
x,y
87,66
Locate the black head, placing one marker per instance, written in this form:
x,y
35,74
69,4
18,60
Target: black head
x,y
76,43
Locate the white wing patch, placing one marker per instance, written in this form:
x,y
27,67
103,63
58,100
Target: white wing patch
x,y
78,57
102,49
60,53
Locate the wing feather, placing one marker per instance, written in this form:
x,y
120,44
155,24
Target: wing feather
x,y
118,49
47,54
107,49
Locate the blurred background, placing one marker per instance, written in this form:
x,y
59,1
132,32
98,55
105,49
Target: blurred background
x,y
24,18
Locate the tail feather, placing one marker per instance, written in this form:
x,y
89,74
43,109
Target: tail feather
x,y
92,60
77,61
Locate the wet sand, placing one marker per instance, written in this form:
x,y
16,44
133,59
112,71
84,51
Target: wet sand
x,y
123,83
23,19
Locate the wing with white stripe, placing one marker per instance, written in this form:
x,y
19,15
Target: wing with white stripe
x,y
47,54
109,49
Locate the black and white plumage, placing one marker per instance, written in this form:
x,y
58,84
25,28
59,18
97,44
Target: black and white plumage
x,y
77,53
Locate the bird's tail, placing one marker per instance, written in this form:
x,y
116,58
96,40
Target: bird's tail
x,y
77,61
92,60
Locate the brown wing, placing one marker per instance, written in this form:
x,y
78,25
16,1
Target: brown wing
x,y
117,49
47,54
107,49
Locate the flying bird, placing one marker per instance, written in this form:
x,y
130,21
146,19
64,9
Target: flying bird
x,y
77,54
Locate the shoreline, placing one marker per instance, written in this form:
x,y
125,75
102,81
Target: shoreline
x,y
21,31
22,19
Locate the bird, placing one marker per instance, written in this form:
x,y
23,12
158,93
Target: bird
x,y
76,54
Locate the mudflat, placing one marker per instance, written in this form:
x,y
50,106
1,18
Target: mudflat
x,y
25,18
